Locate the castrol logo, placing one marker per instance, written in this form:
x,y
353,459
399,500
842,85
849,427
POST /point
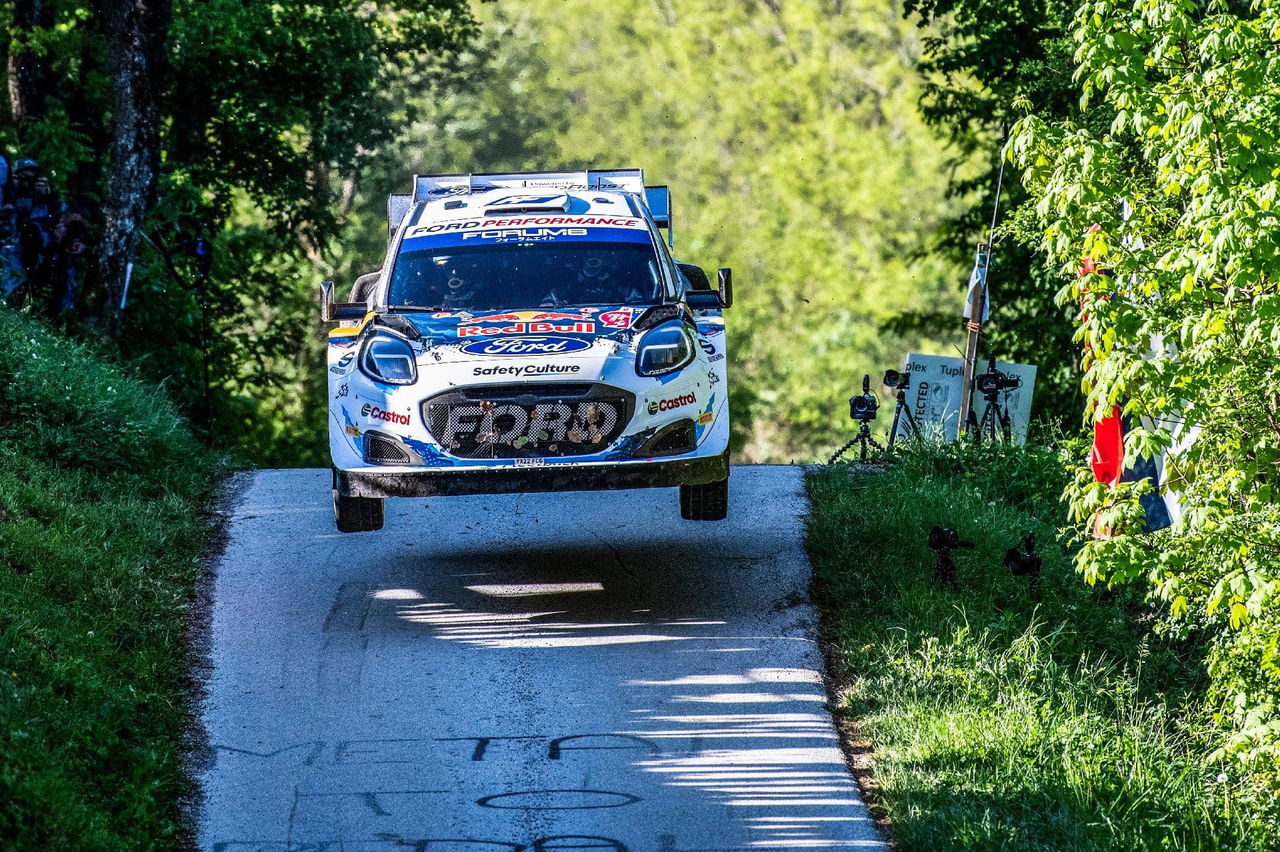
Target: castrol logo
x,y
656,405
375,413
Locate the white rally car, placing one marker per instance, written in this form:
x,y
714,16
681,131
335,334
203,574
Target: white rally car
x,y
528,332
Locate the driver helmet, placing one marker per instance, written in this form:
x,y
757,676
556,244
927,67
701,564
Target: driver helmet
x,y
460,290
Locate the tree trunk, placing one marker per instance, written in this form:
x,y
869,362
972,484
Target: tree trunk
x,y
135,31
29,77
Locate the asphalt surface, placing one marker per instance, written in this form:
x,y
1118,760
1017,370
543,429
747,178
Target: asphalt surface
x,y
521,673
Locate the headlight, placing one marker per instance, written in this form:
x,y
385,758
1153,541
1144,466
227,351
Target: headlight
x,y
664,349
389,359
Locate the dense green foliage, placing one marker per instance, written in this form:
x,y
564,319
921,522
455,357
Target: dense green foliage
x,y
270,110
1185,326
795,152
980,57
1001,719
102,494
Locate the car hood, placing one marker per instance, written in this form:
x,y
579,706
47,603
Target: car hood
x,y
577,334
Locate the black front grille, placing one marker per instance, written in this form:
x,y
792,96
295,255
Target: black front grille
x,y
524,421
383,449
672,440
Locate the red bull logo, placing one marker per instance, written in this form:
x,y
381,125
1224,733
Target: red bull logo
x,y
523,316
581,327
527,322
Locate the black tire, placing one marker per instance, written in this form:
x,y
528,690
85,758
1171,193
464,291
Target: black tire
x,y
706,502
357,514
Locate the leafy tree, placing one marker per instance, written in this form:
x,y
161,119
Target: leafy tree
x,y
254,134
1183,330
135,33
491,106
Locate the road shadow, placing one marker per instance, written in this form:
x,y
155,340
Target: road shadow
x,y
544,672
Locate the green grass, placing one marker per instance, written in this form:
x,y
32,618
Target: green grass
x,y
1001,719
103,492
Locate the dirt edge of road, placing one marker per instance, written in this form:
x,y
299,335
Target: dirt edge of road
x,y
858,753
197,645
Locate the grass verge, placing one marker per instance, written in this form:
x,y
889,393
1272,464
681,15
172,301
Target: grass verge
x,y
103,500
1002,719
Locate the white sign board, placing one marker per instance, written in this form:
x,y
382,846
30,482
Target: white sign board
x,y
933,397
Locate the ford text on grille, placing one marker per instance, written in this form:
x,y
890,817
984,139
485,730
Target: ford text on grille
x,y
548,424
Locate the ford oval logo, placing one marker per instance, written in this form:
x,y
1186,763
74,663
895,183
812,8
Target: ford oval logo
x,y
526,346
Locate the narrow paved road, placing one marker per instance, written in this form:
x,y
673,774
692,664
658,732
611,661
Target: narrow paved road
x,y
521,673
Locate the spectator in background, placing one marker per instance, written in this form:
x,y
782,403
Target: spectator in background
x,y
44,203
41,246
62,266
11,272
23,187
4,179
36,207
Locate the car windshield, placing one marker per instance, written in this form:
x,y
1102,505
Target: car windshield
x,y
550,274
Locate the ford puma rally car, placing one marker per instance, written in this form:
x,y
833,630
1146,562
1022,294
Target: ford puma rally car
x,y
528,332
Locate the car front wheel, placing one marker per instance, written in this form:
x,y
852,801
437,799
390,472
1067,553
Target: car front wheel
x,y
357,514
706,502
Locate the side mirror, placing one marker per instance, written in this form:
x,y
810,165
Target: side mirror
x,y
326,301
340,311
703,300
724,277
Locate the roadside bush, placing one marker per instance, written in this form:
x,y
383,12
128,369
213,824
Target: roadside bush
x,y
1180,318
102,529
61,404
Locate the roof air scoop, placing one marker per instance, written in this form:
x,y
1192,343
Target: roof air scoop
x,y
527,204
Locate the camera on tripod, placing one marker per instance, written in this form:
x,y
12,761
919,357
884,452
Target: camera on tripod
x,y
994,423
900,383
994,381
1025,562
943,540
897,381
864,406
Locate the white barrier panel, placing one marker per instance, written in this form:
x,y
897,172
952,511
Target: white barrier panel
x,y
934,395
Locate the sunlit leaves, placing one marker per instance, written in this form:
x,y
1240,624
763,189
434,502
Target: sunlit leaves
x,y
1183,329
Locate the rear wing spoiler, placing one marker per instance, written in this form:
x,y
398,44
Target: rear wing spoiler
x,y
656,199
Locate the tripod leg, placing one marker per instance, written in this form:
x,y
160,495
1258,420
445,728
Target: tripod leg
x,y
839,454
944,571
912,430
989,429
893,430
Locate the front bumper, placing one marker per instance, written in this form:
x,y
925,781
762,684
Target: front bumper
x,y
444,482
